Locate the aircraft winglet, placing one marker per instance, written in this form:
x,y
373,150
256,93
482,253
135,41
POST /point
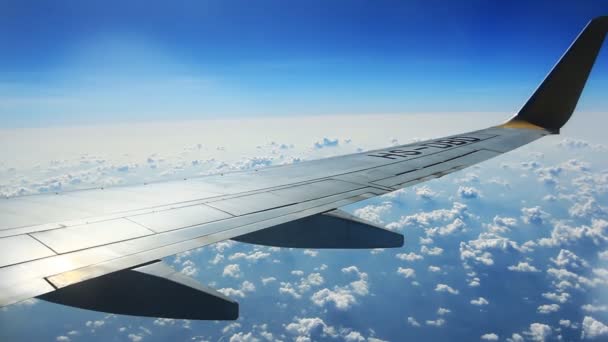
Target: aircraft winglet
x,y
553,102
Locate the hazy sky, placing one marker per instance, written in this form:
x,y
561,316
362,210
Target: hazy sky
x,y
72,62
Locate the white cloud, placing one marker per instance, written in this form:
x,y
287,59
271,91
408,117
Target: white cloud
x,y
431,251
523,267
457,226
305,327
445,288
311,253
434,269
432,217
568,258
477,250
489,337
538,332
563,234
533,215
557,297
252,257
436,323
443,311
315,279
413,322
515,338
287,288
342,298
409,256
232,270
479,301
547,308
243,337
268,280
354,336
62,338
326,142
374,213
406,272
425,192
595,308
231,327
593,328
189,268
468,192
135,337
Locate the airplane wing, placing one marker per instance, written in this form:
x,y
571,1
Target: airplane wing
x,y
100,248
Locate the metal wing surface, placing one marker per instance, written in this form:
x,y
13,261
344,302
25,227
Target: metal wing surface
x,y
51,243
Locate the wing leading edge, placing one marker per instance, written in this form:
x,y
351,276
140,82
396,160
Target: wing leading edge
x,y
74,247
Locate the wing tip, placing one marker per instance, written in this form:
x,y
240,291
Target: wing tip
x,y
553,103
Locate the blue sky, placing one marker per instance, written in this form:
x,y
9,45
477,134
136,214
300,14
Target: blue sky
x,y
72,62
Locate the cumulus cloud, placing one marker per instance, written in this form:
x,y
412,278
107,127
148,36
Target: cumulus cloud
x,y
436,323
458,210
374,213
468,192
557,297
489,337
431,250
413,322
445,288
246,286
409,256
443,311
566,258
251,257
564,234
232,270
534,215
538,332
434,269
477,251
268,280
523,267
425,192
501,224
243,337
480,301
343,297
547,308
310,326
326,142
457,226
595,308
406,272
593,328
